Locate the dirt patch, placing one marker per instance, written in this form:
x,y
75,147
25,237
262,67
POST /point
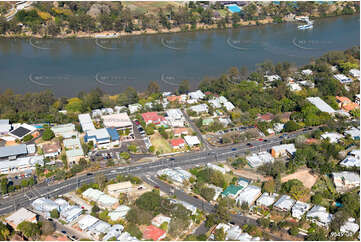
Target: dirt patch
x,y
250,175
304,175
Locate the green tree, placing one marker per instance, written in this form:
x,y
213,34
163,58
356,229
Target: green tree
x,y
220,235
133,230
184,87
48,134
47,228
291,126
54,213
74,105
29,230
207,192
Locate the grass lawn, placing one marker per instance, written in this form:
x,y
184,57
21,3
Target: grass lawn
x,y
151,7
160,144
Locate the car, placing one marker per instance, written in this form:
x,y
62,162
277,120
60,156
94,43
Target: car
x,y
140,188
136,122
113,171
50,219
156,187
260,139
89,174
233,149
309,128
265,140
171,159
63,231
16,177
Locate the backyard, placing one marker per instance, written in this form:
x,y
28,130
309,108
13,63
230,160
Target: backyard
x,y
160,144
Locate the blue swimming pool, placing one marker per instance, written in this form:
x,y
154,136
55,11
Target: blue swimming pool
x,y
234,8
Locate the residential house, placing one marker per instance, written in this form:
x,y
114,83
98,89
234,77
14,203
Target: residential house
x,y
175,118
223,170
153,118
350,227
160,219
299,209
217,191
352,159
333,137
71,213
346,104
354,133
285,203
73,150
197,95
119,213
86,222
44,205
306,72
177,174
20,216
345,180
355,73
192,140
342,78
282,150
180,131
5,126
266,199
153,233
257,160
177,143
133,108
200,108
272,78
320,216
51,150
248,195
232,191
114,232
268,117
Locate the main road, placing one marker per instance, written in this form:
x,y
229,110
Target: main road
x,y
191,159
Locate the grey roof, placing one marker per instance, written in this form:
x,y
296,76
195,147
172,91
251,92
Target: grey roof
x,y
7,151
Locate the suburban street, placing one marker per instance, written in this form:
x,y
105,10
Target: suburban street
x,y
14,202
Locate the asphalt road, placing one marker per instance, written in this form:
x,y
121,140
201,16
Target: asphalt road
x,y
16,201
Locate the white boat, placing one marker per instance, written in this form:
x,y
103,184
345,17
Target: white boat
x,y
306,26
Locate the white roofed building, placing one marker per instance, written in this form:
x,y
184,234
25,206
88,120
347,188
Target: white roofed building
x,y
321,105
320,216
86,122
192,140
350,226
200,108
266,199
248,195
197,95
333,137
133,108
299,209
345,180
282,150
256,160
285,203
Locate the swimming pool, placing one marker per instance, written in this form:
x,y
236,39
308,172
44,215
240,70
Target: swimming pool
x,y
234,8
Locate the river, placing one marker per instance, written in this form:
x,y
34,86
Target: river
x,y
68,66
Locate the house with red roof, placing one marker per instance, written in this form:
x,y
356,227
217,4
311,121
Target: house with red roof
x,y
179,131
174,98
152,118
268,117
177,143
346,104
153,233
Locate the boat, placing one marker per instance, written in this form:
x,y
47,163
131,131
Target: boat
x,y
306,26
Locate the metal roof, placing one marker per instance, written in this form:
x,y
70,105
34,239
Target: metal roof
x,y
7,151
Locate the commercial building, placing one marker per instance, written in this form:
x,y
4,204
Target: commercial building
x,y
86,122
345,180
177,174
74,151
121,187
285,203
192,140
20,216
5,126
282,150
11,152
299,209
21,165
320,216
248,195
266,199
103,138
120,121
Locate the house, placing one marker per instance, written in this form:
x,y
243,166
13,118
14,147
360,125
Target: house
x,y
44,205
200,108
177,143
114,232
215,103
126,237
119,109
153,118
350,227
278,127
160,219
306,72
65,130
86,222
22,130
294,87
268,117
266,199
86,122
282,150
153,233
121,187
354,133
192,140
188,206
103,200
285,203
71,213
197,95
333,137
232,191
100,227
20,216
229,106
133,108
120,122
346,104
342,78
352,159
320,216
207,121
5,126
177,174
175,118
96,113
256,160
223,170
321,105
180,131
174,98
355,73
272,78
217,191
248,195
299,209
107,111
225,121
73,150
51,150
345,180
119,213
